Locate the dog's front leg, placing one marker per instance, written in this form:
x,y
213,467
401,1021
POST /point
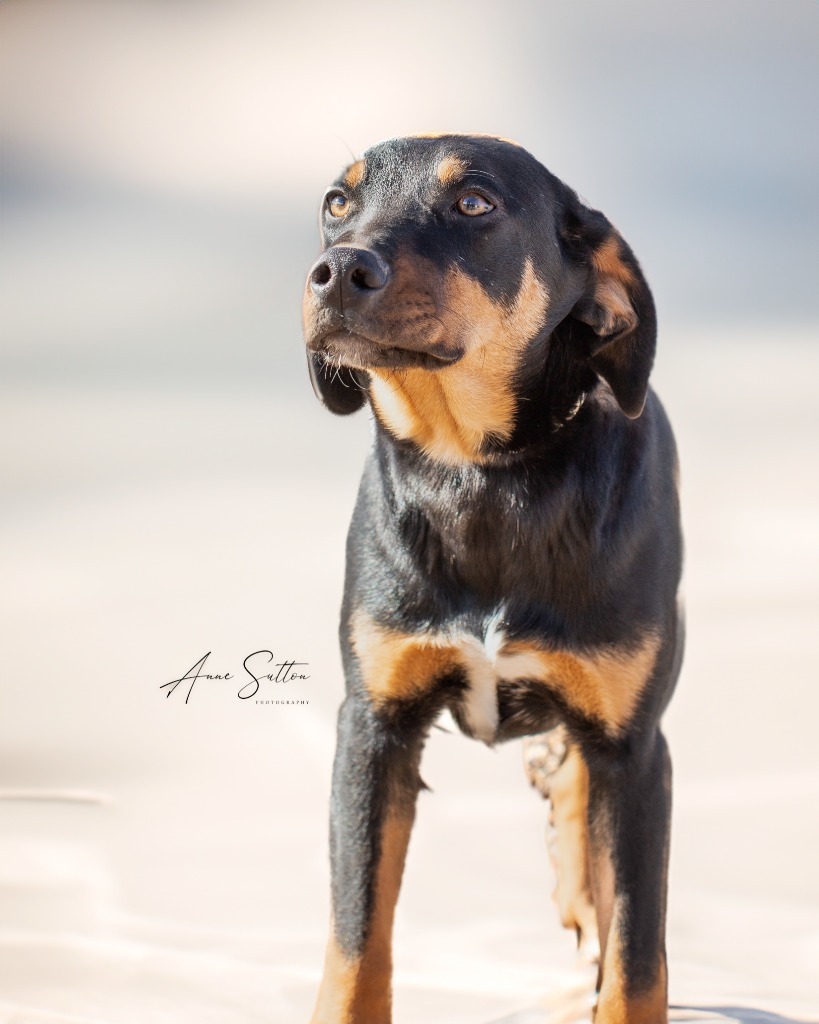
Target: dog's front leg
x,y
375,785
629,821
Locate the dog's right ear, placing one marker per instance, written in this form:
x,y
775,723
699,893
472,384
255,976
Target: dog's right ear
x,y
338,388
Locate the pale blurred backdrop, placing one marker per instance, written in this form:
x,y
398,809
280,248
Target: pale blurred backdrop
x,y
170,488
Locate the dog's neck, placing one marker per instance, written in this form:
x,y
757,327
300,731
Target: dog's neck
x,y
450,414
470,412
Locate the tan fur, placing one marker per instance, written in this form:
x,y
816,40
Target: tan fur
x,y
620,315
609,262
615,1005
451,412
355,174
602,873
397,665
611,292
359,991
451,169
605,685
569,796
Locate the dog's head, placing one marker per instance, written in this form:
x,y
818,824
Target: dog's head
x,y
460,281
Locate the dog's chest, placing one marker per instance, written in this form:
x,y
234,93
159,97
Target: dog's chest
x,y
602,684
480,547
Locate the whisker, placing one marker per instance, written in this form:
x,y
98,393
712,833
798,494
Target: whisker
x,y
484,174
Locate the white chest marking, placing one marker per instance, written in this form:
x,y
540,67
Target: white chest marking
x,y
481,661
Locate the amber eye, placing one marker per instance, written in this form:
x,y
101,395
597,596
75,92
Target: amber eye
x,y
338,204
473,205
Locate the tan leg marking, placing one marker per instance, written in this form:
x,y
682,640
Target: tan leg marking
x,y
556,768
570,852
359,991
602,877
450,413
615,1005
451,169
354,174
605,685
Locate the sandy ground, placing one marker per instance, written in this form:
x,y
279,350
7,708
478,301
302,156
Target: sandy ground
x,y
167,862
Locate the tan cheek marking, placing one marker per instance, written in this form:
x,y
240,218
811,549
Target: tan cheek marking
x,y
451,412
394,406
450,169
603,686
355,174
396,665
359,990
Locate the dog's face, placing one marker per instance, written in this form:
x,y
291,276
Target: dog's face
x,y
449,264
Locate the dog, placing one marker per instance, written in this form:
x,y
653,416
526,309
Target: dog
x,y
515,551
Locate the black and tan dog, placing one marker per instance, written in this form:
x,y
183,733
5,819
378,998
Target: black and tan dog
x,y
514,555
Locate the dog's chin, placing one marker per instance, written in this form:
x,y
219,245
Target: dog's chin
x,y
357,352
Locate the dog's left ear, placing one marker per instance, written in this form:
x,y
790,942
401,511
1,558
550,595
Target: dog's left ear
x,y
615,312
342,390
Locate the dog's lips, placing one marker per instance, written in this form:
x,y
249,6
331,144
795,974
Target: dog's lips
x,y
349,348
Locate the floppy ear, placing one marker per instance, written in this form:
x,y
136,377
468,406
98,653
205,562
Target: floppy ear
x,y
340,389
615,312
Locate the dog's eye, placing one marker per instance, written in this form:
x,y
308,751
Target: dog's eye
x,y
338,204
473,205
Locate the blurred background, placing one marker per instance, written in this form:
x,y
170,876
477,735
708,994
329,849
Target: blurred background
x,y
171,488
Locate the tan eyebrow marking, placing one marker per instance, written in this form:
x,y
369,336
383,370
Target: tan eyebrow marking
x,y
450,169
355,173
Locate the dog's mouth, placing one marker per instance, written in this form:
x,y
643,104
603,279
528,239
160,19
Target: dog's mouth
x,y
348,348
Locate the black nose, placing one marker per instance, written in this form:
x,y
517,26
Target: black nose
x,y
345,276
